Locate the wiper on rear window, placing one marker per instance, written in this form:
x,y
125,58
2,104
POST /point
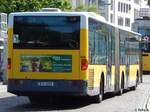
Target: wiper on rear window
x,y
72,43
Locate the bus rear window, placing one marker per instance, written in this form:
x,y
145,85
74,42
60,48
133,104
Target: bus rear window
x,y
46,32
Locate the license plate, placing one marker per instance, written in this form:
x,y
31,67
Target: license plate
x,y
43,84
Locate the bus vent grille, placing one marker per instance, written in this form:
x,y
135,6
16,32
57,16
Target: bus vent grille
x,y
91,79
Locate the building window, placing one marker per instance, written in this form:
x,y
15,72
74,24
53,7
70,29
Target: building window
x,y
112,5
127,10
127,22
119,5
124,7
111,18
101,2
3,26
120,21
3,17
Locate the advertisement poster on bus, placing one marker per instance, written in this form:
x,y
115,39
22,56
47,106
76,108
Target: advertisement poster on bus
x,y
46,63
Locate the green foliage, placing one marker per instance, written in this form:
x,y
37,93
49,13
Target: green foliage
x,y
89,8
62,4
8,6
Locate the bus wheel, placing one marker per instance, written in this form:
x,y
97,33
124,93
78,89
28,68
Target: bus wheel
x,y
122,86
137,80
39,100
99,97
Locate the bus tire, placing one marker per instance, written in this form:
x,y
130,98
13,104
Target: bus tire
x,y
120,92
99,97
137,79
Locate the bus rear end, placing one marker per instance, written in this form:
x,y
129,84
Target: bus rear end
x,y
45,54
145,57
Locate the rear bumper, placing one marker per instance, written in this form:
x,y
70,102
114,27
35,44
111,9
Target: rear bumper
x,y
47,87
145,72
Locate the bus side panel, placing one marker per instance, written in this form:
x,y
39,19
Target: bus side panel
x,y
10,51
133,69
145,62
83,52
94,77
113,77
122,72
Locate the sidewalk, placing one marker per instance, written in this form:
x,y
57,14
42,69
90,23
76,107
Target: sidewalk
x,y
3,88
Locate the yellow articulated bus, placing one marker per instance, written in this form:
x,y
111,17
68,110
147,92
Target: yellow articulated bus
x,y
69,53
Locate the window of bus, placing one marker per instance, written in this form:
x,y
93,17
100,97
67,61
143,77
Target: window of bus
x,y
133,49
145,32
122,52
97,42
46,32
145,46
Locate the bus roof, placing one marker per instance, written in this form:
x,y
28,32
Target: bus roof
x,y
87,14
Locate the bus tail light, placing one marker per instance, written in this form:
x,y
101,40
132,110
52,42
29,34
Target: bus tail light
x,y
84,64
9,63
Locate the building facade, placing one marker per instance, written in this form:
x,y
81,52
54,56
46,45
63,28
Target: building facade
x,y
118,12
123,12
3,46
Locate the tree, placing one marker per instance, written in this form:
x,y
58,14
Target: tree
x,y
89,8
8,6
62,4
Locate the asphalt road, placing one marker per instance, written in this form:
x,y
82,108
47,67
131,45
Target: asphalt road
x,y
130,101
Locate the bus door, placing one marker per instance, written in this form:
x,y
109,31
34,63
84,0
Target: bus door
x,y
108,77
127,69
117,63
127,63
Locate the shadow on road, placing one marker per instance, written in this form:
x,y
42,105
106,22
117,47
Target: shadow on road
x,y
59,104
15,104
22,104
